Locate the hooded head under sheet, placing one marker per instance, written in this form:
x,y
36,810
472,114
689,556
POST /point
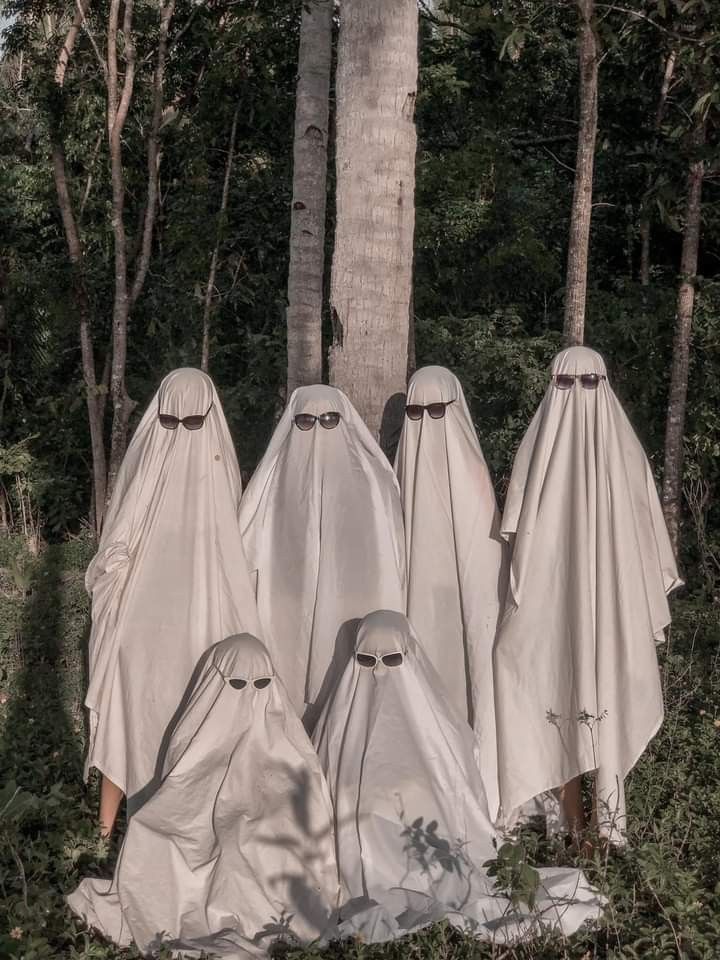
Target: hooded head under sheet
x,y
456,573
322,527
237,840
576,678
411,818
170,573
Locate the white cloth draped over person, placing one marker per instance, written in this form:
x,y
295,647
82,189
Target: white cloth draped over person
x,y
322,526
411,819
235,847
169,577
455,555
577,681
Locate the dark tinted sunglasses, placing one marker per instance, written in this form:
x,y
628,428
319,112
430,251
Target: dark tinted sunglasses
x,y
436,411
590,381
193,422
306,421
237,684
369,660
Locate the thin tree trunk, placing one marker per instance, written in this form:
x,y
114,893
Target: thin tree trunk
x,y
207,307
579,242
675,428
375,161
307,219
645,217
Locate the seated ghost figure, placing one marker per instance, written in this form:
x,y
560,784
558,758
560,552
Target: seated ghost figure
x,y
576,674
455,554
322,527
411,818
236,845
170,572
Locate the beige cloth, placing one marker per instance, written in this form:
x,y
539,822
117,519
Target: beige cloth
x,y
169,577
322,526
412,823
576,675
456,558
235,847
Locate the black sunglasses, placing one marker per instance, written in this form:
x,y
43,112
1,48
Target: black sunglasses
x,y
414,411
306,421
590,381
238,684
193,422
369,660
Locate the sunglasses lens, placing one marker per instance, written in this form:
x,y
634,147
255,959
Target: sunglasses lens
x,y
329,420
168,421
590,381
436,410
194,422
237,684
262,682
366,659
304,421
392,659
414,411
563,381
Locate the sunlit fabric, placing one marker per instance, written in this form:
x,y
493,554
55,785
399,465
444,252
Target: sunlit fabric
x,y
455,554
576,673
169,577
322,527
411,819
234,845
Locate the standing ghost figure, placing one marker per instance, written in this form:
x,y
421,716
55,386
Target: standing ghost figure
x,y
322,526
412,824
455,554
235,846
577,682
169,578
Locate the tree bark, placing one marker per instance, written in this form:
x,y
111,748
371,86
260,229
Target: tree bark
x,y
677,399
210,287
307,218
645,217
579,242
375,163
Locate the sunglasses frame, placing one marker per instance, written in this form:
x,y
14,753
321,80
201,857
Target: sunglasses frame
x,y
582,377
237,683
318,418
383,659
426,407
181,420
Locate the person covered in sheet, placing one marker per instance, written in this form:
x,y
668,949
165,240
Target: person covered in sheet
x,y
411,818
235,847
456,557
322,526
576,674
170,572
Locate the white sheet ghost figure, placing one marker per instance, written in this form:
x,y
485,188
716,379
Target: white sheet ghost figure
x,y
577,682
235,847
457,569
169,574
411,818
322,526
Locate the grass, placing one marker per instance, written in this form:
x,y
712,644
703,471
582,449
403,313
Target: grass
x,y
663,891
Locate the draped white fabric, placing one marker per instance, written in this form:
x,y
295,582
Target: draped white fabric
x,y
411,818
169,579
576,674
322,526
235,845
455,554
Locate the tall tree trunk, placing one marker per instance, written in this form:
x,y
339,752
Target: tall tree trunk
x,y
579,242
677,399
375,162
307,219
645,217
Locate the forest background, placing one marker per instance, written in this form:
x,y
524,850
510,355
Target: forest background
x,y
205,160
